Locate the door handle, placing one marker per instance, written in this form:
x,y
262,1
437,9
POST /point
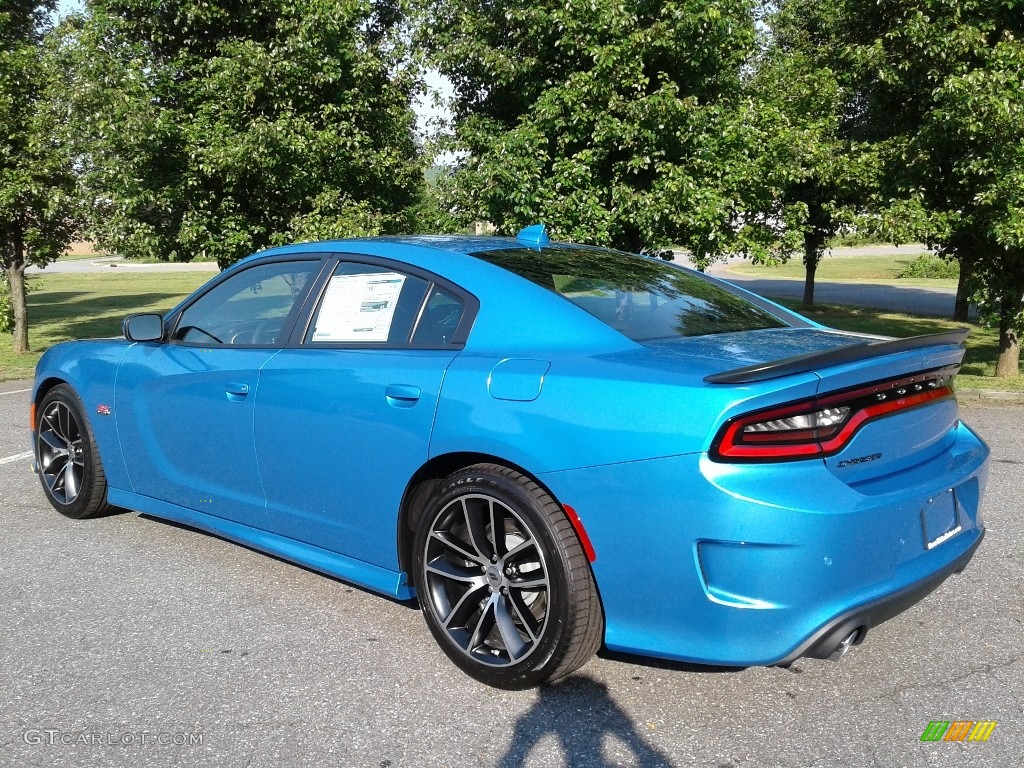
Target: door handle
x,y
236,392
401,395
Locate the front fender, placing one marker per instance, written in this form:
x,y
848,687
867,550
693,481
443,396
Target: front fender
x,y
90,368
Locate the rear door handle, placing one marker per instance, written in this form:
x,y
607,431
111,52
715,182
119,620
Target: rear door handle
x,y
235,391
402,395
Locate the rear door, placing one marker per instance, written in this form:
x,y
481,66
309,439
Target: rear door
x,y
185,406
344,414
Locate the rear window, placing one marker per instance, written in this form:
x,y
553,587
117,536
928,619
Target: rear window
x,y
642,298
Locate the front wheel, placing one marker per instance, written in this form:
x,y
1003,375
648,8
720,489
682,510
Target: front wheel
x,y
66,456
503,581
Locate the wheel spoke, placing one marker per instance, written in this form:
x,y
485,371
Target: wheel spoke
x,y
477,533
538,582
520,548
464,608
53,441
54,471
458,546
507,629
484,625
50,418
449,570
497,529
65,421
530,622
72,483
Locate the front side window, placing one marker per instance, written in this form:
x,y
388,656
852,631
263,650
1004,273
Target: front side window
x,y
249,308
642,298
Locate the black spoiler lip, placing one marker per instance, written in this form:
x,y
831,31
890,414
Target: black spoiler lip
x,y
863,351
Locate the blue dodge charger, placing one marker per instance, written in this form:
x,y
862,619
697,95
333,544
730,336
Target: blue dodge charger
x,y
553,447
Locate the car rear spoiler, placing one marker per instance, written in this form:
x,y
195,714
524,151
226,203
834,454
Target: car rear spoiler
x,y
863,351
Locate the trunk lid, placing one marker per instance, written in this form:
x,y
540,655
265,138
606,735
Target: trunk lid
x,y
900,411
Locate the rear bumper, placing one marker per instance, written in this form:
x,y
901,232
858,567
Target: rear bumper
x,y
741,565
823,644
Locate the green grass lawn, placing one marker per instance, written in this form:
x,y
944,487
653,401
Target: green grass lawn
x,y
79,306
871,269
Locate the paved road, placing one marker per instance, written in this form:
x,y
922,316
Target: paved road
x,y
916,300
126,628
117,264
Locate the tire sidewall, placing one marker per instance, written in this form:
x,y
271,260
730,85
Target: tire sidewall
x,y
536,667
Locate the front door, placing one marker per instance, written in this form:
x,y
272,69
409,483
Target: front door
x,y
185,406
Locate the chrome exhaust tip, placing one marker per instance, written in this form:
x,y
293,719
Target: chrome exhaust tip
x,y
845,645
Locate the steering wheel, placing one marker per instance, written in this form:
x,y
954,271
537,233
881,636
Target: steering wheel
x,y
185,329
254,332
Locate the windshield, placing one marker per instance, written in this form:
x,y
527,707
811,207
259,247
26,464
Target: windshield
x,y
642,298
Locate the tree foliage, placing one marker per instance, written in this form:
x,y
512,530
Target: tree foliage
x,y
217,127
940,86
36,184
618,123
811,173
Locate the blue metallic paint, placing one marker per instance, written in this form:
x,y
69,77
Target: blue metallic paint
x,y
696,560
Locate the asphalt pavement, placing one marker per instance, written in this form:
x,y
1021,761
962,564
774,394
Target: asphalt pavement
x,y
131,642
915,300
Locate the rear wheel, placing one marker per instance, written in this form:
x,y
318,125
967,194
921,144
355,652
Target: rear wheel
x,y
67,458
502,580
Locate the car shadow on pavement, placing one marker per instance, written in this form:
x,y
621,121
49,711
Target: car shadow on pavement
x,y
581,715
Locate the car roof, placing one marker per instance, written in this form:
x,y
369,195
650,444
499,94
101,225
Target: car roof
x,y
543,318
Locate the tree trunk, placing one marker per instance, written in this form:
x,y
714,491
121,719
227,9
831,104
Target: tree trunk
x,y
962,306
1008,363
812,267
813,245
16,279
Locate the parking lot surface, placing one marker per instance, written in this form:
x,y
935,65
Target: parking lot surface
x,y
129,641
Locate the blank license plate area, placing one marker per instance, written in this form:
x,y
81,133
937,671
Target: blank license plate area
x,y
939,519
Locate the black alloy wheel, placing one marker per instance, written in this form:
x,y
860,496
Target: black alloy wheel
x,y
503,581
66,456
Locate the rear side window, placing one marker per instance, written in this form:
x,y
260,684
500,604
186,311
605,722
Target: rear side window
x,y
440,319
367,304
640,297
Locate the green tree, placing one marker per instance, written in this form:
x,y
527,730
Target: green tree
x,y
217,127
36,183
940,86
811,174
617,123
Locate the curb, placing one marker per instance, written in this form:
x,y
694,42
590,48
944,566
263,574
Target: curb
x,y
989,395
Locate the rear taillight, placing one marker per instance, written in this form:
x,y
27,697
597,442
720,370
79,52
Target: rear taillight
x,y
822,426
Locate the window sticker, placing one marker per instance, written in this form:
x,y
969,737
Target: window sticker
x,y
359,307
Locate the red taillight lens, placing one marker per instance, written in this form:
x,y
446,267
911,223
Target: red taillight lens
x,y
821,426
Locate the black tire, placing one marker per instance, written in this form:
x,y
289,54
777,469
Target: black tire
x,y
512,611
67,458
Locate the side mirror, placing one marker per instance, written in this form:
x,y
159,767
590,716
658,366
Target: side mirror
x,y
146,326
